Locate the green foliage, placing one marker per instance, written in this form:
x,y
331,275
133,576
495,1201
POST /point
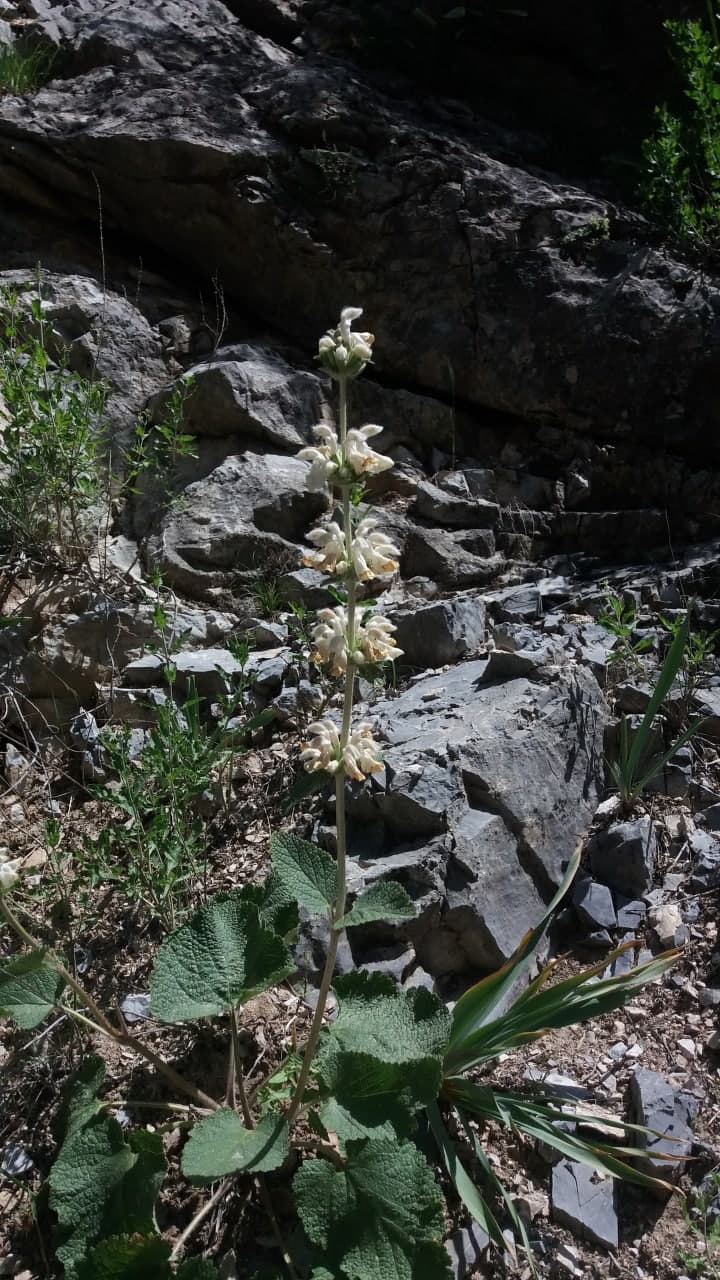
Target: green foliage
x,y
221,957
157,847
222,1144
52,427
378,1216
385,900
30,987
703,1219
306,870
682,158
158,447
697,661
139,1258
24,66
620,617
635,765
102,1185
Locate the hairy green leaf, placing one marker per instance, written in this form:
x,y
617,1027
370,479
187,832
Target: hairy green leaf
x,y
30,987
277,906
384,900
370,1098
102,1185
139,1258
391,1025
79,1102
306,870
221,957
381,1215
222,1144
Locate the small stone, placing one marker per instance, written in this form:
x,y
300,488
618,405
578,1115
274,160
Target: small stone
x,y
465,1249
16,1161
594,904
585,1203
135,1008
624,856
617,1051
713,1043
665,921
630,914
686,1047
634,1052
709,997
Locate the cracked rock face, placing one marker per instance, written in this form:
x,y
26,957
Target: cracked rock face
x,y
487,787
256,158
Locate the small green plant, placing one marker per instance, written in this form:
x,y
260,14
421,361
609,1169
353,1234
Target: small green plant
x,y
698,660
703,1219
636,764
24,67
267,591
594,230
349,1102
157,447
682,158
620,618
51,431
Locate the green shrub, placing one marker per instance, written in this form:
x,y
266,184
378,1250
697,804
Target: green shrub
x,y
681,186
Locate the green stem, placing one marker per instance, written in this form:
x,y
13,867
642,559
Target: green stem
x,y
244,1104
99,1022
338,908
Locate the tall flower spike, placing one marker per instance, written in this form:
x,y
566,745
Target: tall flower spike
x,y
343,353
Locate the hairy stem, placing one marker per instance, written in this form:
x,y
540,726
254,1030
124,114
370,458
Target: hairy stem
x,y
338,908
244,1104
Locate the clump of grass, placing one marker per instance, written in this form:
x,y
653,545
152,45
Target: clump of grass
x,y
24,67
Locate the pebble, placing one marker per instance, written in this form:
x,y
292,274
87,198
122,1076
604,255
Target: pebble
x,y
709,997
687,1047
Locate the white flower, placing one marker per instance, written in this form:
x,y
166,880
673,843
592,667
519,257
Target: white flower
x,y
362,754
331,554
360,458
324,752
372,642
324,458
330,639
343,353
9,871
373,553
377,641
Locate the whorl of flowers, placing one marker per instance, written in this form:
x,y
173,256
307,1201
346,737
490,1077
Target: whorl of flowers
x,y
325,753
331,462
343,353
370,555
372,640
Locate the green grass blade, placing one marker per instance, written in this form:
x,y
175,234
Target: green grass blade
x,y
480,1001
471,1197
670,667
501,1192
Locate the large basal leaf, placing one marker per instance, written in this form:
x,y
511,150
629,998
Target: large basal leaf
x,y
370,1098
102,1185
380,1216
222,1144
277,906
139,1258
306,870
384,900
221,957
394,1026
30,988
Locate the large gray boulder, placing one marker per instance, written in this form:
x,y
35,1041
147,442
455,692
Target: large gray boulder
x,y
304,187
488,785
247,514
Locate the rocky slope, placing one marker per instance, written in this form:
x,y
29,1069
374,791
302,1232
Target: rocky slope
x,y
205,185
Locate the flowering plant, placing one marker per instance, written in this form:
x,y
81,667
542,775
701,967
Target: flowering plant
x,y
366,1196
